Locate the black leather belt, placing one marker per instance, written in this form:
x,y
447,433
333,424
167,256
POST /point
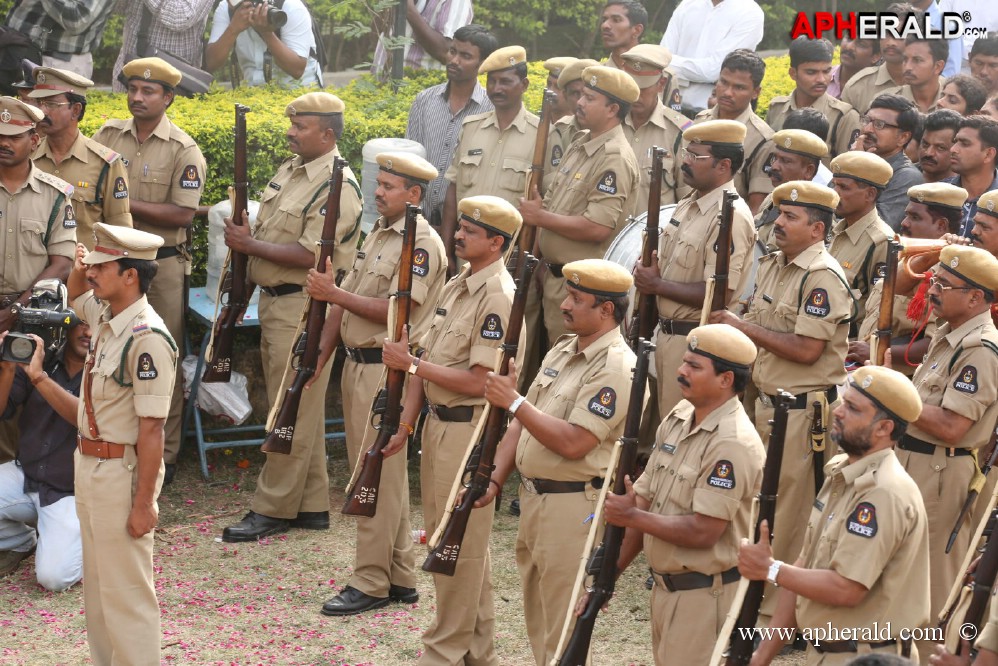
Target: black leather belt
x,y
909,443
841,647
694,580
800,401
364,354
549,487
282,290
167,252
556,269
452,414
677,326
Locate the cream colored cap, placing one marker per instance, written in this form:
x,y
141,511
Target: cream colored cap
x,y
155,70
16,117
944,195
722,342
407,165
889,390
113,243
806,193
716,133
865,167
494,213
976,266
614,83
599,277
50,82
800,142
315,104
504,58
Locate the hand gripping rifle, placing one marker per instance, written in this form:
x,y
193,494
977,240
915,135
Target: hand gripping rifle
x,y
885,318
748,597
646,314
446,548
717,289
529,232
362,496
305,354
235,289
602,564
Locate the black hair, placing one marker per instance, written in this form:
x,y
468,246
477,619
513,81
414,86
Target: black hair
x,y
916,136
901,9
810,119
874,44
73,98
939,48
909,119
987,130
941,119
410,183
819,215
741,374
506,240
971,90
636,12
332,122
804,50
953,217
899,426
734,153
986,46
620,303
480,36
145,268
743,60
520,69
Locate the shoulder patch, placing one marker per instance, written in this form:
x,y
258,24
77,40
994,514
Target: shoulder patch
x,y
863,520
607,183
723,476
69,218
492,327
817,304
120,189
556,155
146,369
966,380
604,403
190,179
54,181
420,262
879,271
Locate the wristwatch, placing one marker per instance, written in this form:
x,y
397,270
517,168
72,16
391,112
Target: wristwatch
x,y
515,405
774,570
414,366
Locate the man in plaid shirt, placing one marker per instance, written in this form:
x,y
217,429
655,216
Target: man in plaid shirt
x,y
67,37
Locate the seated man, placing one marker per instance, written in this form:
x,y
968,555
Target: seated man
x,y
38,486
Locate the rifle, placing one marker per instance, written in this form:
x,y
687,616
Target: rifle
x,y
362,496
972,494
235,288
751,592
817,435
602,564
305,354
529,232
718,289
644,319
984,580
442,559
885,318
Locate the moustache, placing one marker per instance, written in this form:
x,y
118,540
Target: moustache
x,y
928,160
934,300
687,170
459,243
45,121
777,174
778,231
566,315
683,382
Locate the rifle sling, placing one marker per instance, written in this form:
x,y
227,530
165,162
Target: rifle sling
x,y
800,401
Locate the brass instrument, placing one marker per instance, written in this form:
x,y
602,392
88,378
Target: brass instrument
x,y
918,247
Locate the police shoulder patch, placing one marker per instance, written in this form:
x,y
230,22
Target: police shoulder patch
x,y
146,369
604,403
492,327
69,217
816,304
879,271
120,189
420,262
607,183
966,380
190,179
723,475
556,155
863,520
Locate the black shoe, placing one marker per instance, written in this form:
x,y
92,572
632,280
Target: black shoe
x,y
311,520
254,526
404,595
171,471
514,507
351,601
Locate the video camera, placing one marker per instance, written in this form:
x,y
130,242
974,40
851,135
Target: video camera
x,y
276,17
47,315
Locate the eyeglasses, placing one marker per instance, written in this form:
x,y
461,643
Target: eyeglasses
x,y
45,104
877,123
938,284
688,156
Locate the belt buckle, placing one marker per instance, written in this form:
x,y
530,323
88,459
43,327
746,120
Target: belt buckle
x,y
528,483
430,407
764,399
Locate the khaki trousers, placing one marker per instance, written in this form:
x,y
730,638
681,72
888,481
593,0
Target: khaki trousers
x,y
675,637
299,481
166,296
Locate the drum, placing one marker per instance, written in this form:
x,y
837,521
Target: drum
x,y
625,250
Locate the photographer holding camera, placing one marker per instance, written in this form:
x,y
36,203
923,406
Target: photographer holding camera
x,y
265,33
38,486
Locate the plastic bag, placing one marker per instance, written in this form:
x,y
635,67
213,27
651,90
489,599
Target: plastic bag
x,y
226,401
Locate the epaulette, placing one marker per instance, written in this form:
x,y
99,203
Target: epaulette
x,y
679,120
779,99
476,117
54,181
103,151
761,125
768,257
183,137
840,106
116,123
533,120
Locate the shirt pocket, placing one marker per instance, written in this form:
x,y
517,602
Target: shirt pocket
x,y
154,185
514,175
32,241
468,168
689,249
380,273
681,497
454,342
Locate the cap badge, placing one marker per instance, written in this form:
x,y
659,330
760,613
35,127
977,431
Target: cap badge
x,y
788,142
867,381
592,80
575,278
693,342
920,197
793,194
292,110
954,262
636,66
990,205
388,164
512,61
5,116
41,77
147,74
477,214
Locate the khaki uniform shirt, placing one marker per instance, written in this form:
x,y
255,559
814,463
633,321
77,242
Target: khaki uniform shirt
x,y
807,297
590,389
100,184
293,209
560,138
861,250
167,168
489,160
868,524
764,224
712,468
752,176
665,130
133,374
687,249
469,327
375,274
843,120
958,374
905,91
39,222
594,180
865,85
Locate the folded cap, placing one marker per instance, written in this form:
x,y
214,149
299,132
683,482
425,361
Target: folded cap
x,y
988,203
407,165
573,71
614,83
716,133
155,70
114,242
863,166
800,142
493,213
315,104
599,277
27,81
646,63
944,195
977,267
50,82
722,342
807,194
16,117
504,58
889,390
558,63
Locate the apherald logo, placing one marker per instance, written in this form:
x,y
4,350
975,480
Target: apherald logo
x,y
876,25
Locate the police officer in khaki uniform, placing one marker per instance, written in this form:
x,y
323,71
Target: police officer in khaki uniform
x,y
166,173
555,66
869,82
737,87
799,318
127,384
97,173
383,566
565,128
293,490
585,206
560,441
956,382
494,151
687,252
859,238
462,345
651,123
864,566
693,504
796,157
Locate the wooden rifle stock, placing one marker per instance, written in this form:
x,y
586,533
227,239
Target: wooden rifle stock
x,y
719,301
740,652
646,315
603,563
885,318
984,580
306,349
236,291
529,232
443,558
362,497
968,504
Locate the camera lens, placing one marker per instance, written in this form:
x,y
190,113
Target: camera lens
x,y
276,18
